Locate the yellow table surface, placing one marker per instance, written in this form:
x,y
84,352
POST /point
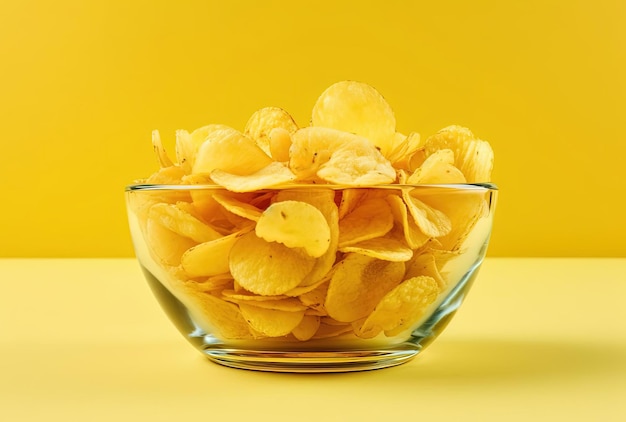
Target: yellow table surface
x,y
537,339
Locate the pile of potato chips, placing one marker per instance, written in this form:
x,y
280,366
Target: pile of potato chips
x,y
338,229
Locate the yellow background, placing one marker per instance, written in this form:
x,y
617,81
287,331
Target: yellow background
x,y
82,84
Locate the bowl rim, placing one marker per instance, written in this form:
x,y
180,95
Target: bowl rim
x,y
452,186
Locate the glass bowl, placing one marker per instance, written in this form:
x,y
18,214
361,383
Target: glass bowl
x,y
395,265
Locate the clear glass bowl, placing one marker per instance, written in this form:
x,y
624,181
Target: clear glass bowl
x,y
399,263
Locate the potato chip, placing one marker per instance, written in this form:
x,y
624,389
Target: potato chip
x,y
162,157
424,264
472,156
238,207
270,176
358,284
413,236
385,248
262,122
228,150
349,200
437,168
290,304
338,157
218,282
315,298
179,221
295,224
225,319
307,327
209,258
268,268
401,307
187,144
243,295
323,200
432,222
270,322
167,246
280,143
370,219
356,107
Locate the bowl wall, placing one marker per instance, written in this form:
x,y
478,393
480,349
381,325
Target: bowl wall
x,y
400,261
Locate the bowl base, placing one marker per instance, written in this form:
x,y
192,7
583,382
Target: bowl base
x,y
312,361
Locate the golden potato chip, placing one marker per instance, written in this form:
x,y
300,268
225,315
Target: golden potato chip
x,y
432,222
270,176
437,168
262,122
472,156
424,264
323,200
271,322
295,224
290,304
225,318
162,157
358,284
228,150
307,327
179,221
300,290
315,298
338,157
401,307
349,200
209,258
187,144
218,282
268,268
385,248
238,207
243,295
356,107
280,143
167,246
413,236
370,219
462,208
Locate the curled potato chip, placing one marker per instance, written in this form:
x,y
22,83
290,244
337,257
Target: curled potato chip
x,y
228,150
187,144
179,221
370,219
295,224
358,284
162,157
323,200
401,307
272,175
238,207
280,143
261,123
413,236
268,268
356,107
425,264
432,222
338,157
209,258
473,157
167,246
270,322
437,168
307,327
385,248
